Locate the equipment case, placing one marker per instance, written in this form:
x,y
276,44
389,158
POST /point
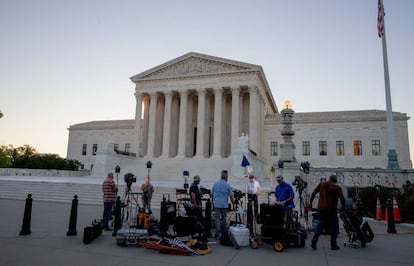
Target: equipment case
x,y
92,231
241,234
130,236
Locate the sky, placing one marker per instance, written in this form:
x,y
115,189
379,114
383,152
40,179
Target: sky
x,y
69,62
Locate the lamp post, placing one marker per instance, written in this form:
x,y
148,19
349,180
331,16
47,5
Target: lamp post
x,y
149,165
117,171
287,148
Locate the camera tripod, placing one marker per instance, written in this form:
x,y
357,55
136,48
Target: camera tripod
x,y
303,208
129,202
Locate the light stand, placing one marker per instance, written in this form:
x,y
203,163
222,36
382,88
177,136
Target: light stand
x,y
186,174
149,165
117,171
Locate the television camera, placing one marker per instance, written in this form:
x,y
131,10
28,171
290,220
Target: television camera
x,y
129,178
300,184
238,195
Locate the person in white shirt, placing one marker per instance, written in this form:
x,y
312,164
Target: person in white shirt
x,y
252,191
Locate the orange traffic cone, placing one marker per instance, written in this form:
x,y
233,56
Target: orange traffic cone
x,y
396,211
379,210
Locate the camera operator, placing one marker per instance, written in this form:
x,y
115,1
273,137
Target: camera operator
x,y
109,189
221,191
329,193
284,196
147,191
253,190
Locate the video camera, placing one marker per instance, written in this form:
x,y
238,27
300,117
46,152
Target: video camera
x,y
299,183
205,191
129,178
238,194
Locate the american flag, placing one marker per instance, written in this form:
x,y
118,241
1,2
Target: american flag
x,y
380,19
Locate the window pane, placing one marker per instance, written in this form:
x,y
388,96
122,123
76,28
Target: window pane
x,y
340,148
116,147
357,147
323,147
376,148
94,149
84,147
306,148
127,147
273,148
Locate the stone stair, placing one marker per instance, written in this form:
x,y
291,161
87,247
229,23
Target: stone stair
x,y
87,193
65,192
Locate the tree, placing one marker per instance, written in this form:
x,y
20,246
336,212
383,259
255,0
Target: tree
x,y
27,157
5,157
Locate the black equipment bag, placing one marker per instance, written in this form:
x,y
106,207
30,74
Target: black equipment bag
x,y
272,234
167,213
296,239
208,221
367,232
225,240
271,214
92,231
185,225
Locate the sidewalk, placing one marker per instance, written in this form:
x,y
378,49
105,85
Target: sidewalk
x,y
49,245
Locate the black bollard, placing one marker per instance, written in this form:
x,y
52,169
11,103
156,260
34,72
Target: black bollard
x,y
27,216
391,224
73,217
117,219
359,208
207,215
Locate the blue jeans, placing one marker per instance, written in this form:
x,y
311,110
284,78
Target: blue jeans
x,y
107,214
327,218
220,220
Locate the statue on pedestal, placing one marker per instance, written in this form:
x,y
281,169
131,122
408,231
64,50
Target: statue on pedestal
x,y
244,143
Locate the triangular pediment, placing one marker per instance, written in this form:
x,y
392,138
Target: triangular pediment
x,y
194,64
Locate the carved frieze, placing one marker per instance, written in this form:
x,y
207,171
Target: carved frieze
x,y
193,66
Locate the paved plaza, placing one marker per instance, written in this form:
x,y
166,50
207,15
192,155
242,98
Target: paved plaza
x,y
48,244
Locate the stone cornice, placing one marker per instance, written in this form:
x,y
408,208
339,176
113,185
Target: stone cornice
x,y
102,125
193,64
341,116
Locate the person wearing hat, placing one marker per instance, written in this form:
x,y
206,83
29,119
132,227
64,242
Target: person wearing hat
x,y
196,208
195,193
284,196
329,192
220,193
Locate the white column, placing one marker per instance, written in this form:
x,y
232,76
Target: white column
x,y
144,133
151,126
138,115
218,107
201,122
167,125
235,117
253,119
182,130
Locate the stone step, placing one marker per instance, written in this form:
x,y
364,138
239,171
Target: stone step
x,y
87,193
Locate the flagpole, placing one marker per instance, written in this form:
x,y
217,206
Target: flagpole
x,y
392,153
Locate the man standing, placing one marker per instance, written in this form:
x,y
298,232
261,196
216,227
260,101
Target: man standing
x,y
253,190
109,190
221,191
329,192
284,195
195,193
147,191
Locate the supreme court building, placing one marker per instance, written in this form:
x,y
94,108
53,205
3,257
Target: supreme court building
x,y
202,114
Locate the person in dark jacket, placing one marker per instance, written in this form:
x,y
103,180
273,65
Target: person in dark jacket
x,y
329,192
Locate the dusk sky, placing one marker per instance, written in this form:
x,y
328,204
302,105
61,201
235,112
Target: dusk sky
x,y
69,62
